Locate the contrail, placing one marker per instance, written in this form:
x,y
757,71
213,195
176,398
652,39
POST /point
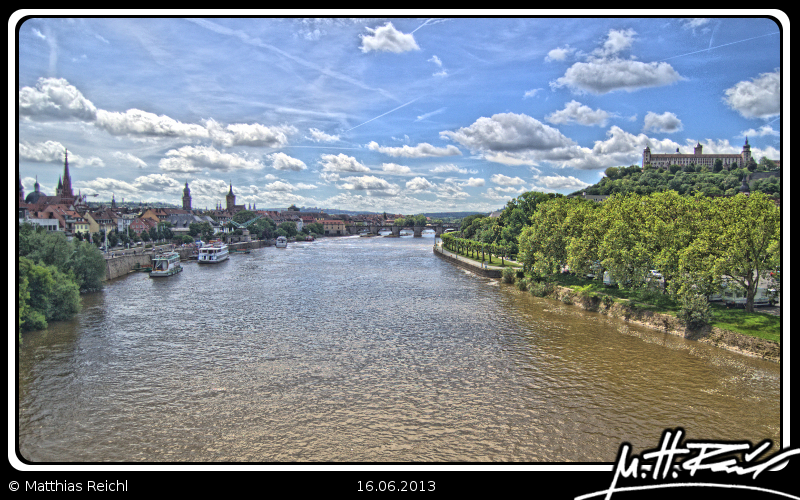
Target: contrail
x,y
395,109
723,45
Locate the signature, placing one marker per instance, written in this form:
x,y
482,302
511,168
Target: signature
x,y
658,464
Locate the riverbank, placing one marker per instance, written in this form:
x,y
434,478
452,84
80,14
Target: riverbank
x,y
604,304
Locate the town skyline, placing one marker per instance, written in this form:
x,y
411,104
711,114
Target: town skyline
x,y
369,113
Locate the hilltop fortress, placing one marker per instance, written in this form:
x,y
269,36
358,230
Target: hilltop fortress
x,y
698,158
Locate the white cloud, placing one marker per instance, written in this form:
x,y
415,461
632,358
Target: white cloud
x,y
759,98
601,77
127,157
575,112
419,151
473,182
559,54
280,186
281,161
505,180
249,134
665,122
450,189
341,163
557,182
320,136
418,184
531,93
53,152
371,184
197,158
439,169
762,131
395,169
508,132
604,71
616,42
435,59
387,39
55,99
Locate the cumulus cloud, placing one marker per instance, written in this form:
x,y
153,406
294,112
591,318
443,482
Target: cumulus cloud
x,y
505,180
129,158
558,182
197,158
53,152
450,189
473,182
249,134
138,122
395,169
508,132
388,39
604,71
575,112
341,163
616,42
439,169
371,184
419,184
320,136
281,161
665,122
504,193
559,54
419,151
762,131
759,98
601,77
55,99
157,182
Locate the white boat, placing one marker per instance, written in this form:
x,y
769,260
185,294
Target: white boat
x,y
213,253
281,242
406,232
166,264
384,232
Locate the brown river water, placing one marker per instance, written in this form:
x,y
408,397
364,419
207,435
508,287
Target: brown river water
x,y
361,350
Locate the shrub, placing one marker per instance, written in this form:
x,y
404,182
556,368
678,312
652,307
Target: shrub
x,y
695,311
509,274
540,288
522,284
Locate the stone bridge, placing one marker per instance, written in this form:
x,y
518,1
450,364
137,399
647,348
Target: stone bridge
x,y
374,229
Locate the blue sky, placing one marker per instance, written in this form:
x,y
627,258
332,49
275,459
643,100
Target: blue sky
x,y
394,114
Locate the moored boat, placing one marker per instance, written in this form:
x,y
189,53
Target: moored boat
x,y
213,253
281,242
166,264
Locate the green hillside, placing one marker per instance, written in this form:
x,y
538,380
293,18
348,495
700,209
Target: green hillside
x,y
686,181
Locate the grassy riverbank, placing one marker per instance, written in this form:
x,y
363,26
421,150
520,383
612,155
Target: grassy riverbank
x,y
761,325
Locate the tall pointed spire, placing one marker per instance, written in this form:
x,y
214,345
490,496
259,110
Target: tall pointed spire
x,y
66,192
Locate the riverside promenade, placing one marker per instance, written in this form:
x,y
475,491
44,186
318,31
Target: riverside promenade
x,y
485,270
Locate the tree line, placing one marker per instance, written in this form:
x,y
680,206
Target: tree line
x,y
699,244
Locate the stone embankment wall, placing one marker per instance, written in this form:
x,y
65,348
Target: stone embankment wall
x,y
475,268
725,339
124,264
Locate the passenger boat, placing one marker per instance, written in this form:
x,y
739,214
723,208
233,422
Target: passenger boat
x,y
281,242
406,232
384,232
213,253
166,264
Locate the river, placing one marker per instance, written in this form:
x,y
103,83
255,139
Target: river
x,y
367,349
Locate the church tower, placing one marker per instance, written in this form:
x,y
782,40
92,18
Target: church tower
x,y
746,156
230,199
187,198
66,190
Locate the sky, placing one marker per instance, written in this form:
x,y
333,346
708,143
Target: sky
x,y
403,115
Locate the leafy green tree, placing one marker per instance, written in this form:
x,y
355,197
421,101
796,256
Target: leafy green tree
x,y
736,244
88,266
290,228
